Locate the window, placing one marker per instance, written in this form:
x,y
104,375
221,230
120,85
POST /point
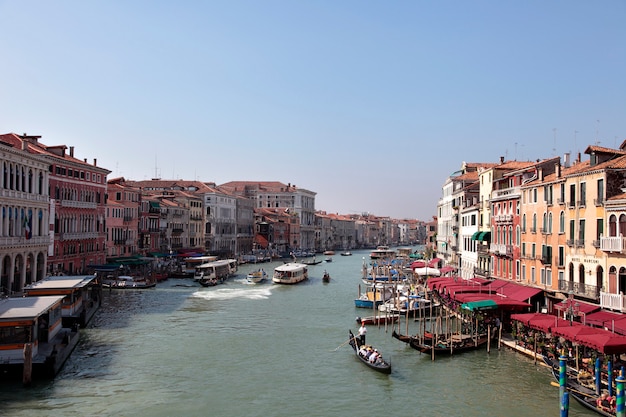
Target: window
x,y
583,193
561,260
581,231
562,222
600,198
572,195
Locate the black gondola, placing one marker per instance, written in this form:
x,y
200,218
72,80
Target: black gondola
x,y
456,344
380,366
585,396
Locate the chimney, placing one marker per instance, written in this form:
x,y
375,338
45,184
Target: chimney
x,y
557,169
502,159
566,160
72,151
24,145
95,162
540,173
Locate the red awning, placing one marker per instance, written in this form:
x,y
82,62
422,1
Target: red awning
x,y
607,343
418,264
446,269
540,321
618,326
433,263
519,292
572,332
602,318
581,306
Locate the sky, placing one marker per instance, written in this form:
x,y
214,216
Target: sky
x,y
370,104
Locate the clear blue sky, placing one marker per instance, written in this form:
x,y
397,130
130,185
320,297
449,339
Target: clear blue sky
x,y
371,104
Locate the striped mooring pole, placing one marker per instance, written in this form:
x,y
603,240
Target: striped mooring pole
x,y
619,401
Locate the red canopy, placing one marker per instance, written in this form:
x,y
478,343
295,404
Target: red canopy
x,y
572,332
607,343
602,318
580,306
540,321
418,264
446,269
519,292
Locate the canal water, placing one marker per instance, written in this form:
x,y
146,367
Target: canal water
x,y
239,349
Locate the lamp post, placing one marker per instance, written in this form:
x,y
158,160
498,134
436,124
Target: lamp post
x,y
572,308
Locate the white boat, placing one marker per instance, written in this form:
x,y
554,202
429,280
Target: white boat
x,y
382,252
216,270
290,273
127,282
257,276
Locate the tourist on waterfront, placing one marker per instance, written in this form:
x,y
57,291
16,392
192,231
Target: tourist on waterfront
x,y
362,332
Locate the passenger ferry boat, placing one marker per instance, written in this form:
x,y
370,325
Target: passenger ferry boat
x,y
213,271
382,252
290,273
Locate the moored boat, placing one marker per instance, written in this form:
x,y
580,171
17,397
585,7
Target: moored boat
x,y
346,253
456,343
379,319
585,396
290,273
379,364
326,277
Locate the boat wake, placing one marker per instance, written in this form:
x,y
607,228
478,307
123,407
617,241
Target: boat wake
x,y
231,293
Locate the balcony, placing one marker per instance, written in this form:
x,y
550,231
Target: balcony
x,y
582,290
598,202
78,204
549,202
502,250
546,260
560,201
544,231
580,243
506,193
503,218
613,301
613,244
569,242
571,204
580,203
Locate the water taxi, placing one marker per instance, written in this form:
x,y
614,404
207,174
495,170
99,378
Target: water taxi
x,y
213,271
290,273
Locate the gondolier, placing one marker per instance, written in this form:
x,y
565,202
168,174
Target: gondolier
x,y
362,332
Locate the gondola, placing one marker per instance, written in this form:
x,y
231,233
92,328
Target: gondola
x,y
427,337
456,344
380,366
585,396
326,277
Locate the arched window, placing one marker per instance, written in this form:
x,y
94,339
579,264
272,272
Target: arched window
x,y
612,226
534,228
581,274
544,221
524,222
562,222
510,235
622,225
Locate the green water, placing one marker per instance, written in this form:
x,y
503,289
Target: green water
x,y
269,350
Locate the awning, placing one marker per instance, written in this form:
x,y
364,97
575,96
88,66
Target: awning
x,y
433,263
484,236
519,292
155,204
446,269
602,318
540,321
580,307
480,305
475,235
607,343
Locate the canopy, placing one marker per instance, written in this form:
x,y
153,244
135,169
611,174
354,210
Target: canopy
x,y
480,305
607,343
427,271
418,264
475,235
519,292
602,318
434,262
572,332
544,322
446,269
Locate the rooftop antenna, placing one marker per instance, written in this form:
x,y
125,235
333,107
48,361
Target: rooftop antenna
x,y
597,129
554,149
516,151
575,131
